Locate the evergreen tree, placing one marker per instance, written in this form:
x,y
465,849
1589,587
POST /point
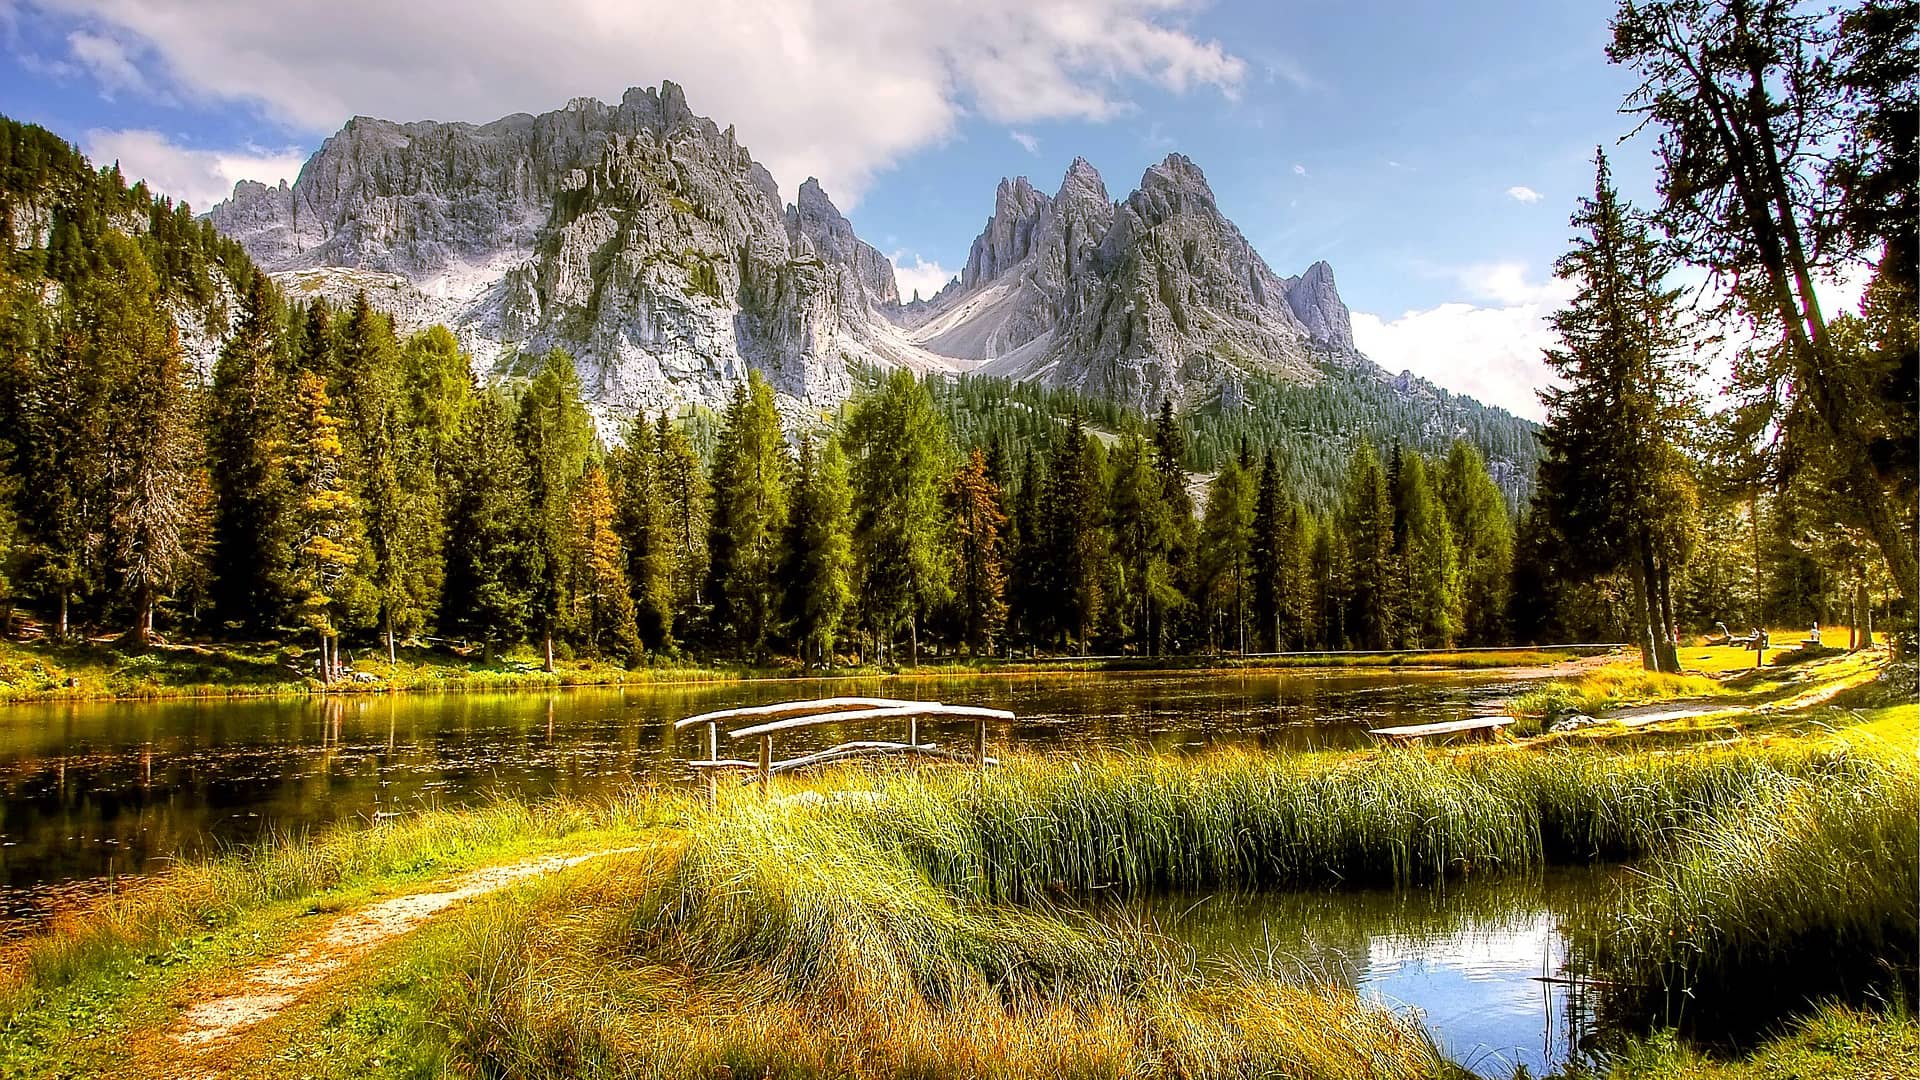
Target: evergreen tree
x,y
1075,544
1226,554
316,352
749,520
155,482
645,533
252,549
1368,568
326,589
556,435
493,550
1026,583
980,577
1169,463
1481,530
820,551
601,615
897,451
1269,556
1613,485
1144,539
684,502
1428,558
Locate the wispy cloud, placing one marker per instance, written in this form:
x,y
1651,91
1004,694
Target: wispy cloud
x,y
1522,193
1028,142
1299,170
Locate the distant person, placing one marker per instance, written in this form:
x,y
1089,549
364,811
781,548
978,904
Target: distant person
x,y
1814,638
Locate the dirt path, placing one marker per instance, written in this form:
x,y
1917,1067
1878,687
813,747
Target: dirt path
x,y
262,991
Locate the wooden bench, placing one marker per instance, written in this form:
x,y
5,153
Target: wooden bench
x,y
1483,727
794,715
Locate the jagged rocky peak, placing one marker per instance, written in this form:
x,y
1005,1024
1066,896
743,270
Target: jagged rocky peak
x,y
640,236
1008,236
815,220
1317,304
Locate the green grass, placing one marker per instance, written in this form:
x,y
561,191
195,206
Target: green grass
x,y
1610,687
1801,890
1835,1042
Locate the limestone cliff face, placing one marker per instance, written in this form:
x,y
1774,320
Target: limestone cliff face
x,y
1158,296
639,236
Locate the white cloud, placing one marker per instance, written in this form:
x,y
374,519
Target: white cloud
x,y
840,89
1490,352
1299,170
1522,193
201,177
110,64
919,274
1027,142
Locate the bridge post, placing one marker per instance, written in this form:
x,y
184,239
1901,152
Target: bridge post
x,y
713,754
913,731
980,744
766,763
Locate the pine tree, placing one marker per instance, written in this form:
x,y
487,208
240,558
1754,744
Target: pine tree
x,y
749,521
601,615
1026,581
1613,484
1144,539
1428,557
1268,554
326,588
684,501
1073,513
1226,553
1477,514
820,570
1169,463
645,532
1367,569
556,435
493,552
980,577
897,451
247,440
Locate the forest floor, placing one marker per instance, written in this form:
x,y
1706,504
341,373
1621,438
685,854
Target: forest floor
x,y
348,977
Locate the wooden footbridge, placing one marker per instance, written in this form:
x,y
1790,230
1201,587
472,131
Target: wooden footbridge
x,y
770,720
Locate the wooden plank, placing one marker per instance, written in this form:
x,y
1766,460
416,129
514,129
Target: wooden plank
x,y
1449,727
911,709
723,763
766,762
788,708
853,749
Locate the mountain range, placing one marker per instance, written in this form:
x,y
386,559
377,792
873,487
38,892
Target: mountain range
x,y
647,241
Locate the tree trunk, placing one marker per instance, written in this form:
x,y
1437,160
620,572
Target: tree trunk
x,y
548,646
143,617
392,653
1669,628
61,628
326,669
1863,601
1639,617
913,636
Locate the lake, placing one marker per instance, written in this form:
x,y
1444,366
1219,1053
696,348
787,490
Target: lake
x,y
98,789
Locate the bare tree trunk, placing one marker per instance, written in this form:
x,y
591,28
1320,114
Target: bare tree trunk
x,y
1669,628
143,617
61,630
392,653
326,669
548,643
1863,601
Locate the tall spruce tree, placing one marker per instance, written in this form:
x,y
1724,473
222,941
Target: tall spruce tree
x,y
749,523
684,501
1613,485
556,434
897,453
980,575
1075,534
1368,568
601,606
1226,554
247,447
327,588
1145,537
493,550
641,519
1268,554
1429,559
1477,514
820,570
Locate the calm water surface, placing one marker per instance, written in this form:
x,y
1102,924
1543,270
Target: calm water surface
x,y
93,790
1470,957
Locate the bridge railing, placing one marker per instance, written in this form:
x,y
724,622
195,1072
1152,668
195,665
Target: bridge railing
x,y
796,715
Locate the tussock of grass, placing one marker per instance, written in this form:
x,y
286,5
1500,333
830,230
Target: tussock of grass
x,y
1605,688
1799,891
1834,1041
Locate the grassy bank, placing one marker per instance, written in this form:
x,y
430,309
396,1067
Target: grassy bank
x,y
102,670
1799,890
929,922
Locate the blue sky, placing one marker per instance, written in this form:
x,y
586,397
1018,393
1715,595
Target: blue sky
x,y
1430,152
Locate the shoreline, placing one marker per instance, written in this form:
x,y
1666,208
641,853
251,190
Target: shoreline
x,y
102,666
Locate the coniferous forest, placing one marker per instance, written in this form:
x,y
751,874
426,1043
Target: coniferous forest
x,y
329,481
